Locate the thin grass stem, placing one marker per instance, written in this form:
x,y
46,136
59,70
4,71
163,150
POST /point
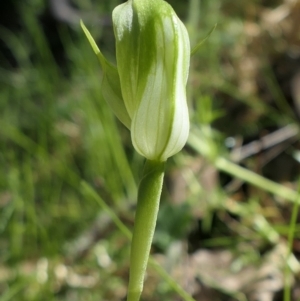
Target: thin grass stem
x,y
203,147
291,234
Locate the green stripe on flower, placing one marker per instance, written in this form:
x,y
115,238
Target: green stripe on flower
x,y
153,54
147,90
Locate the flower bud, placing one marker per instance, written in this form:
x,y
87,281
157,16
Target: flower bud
x,y
153,55
147,90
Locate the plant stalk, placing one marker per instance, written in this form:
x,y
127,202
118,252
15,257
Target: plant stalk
x,y
145,220
204,148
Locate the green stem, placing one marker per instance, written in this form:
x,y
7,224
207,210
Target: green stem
x,y
255,179
90,193
145,220
206,148
291,234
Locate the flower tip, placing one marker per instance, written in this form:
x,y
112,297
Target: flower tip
x,y
90,38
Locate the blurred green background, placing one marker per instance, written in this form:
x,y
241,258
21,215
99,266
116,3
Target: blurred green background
x,y
63,154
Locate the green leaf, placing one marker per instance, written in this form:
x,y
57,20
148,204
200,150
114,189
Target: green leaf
x,y
197,47
110,86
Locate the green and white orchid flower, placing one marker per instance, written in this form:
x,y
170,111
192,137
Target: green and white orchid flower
x,y
147,90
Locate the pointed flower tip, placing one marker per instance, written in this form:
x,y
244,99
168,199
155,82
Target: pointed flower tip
x,y
90,38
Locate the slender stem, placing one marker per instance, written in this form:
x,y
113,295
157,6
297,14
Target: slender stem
x,y
291,234
255,179
204,147
145,220
89,192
